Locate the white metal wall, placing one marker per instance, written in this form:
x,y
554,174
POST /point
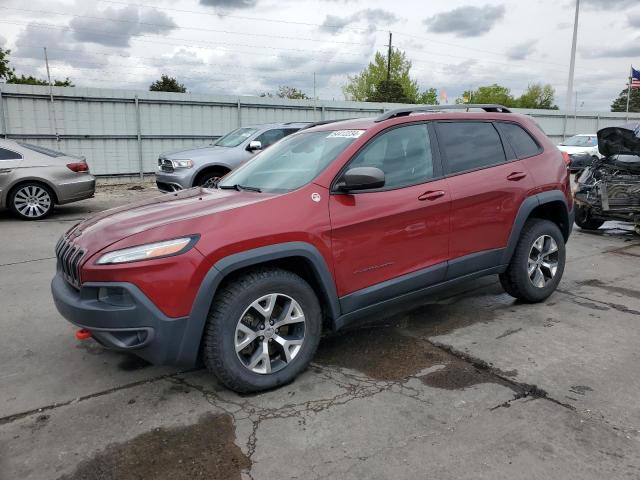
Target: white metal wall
x,y
124,131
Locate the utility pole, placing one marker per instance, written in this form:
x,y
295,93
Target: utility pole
x,y
572,66
52,111
389,61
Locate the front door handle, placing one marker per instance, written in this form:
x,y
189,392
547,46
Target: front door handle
x,y
431,195
516,176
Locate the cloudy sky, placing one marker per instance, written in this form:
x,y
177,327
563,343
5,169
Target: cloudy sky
x,y
244,47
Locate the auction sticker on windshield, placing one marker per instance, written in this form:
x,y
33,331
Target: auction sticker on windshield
x,y
346,134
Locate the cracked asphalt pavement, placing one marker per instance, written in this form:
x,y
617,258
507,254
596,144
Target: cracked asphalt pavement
x,y
470,385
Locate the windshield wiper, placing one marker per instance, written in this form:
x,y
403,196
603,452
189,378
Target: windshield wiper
x,y
239,188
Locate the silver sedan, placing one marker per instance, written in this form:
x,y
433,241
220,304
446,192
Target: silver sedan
x,y
33,179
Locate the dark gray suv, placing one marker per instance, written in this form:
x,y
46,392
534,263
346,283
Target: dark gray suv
x,y
201,165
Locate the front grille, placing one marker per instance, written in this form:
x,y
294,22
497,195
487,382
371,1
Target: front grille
x,y
165,165
69,256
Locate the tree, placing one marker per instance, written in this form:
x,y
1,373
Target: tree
x,y
6,71
287,92
31,80
366,85
620,103
429,97
389,91
167,84
538,96
490,94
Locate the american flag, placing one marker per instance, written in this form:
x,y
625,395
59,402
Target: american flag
x,y
635,78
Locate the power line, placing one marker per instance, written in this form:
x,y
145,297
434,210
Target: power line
x,y
180,27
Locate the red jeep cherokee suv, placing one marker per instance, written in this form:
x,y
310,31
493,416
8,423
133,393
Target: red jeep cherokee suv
x,y
332,224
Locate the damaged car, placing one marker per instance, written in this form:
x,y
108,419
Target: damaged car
x,y
609,189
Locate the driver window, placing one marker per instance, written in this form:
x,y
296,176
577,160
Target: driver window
x,y
403,154
270,137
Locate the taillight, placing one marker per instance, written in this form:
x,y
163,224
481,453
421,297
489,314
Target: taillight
x,y
565,157
78,167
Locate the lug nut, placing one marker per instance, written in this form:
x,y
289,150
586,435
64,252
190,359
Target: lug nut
x,y
262,326
270,322
261,337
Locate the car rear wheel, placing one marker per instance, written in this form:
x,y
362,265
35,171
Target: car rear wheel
x,y
263,330
585,220
31,201
537,264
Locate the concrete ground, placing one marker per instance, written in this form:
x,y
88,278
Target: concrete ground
x,y
470,385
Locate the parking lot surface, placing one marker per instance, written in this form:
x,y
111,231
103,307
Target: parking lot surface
x,y
470,385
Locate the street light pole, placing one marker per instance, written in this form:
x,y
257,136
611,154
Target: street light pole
x,y
572,66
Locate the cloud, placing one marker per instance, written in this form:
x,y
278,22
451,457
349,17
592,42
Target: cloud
x,y
129,22
2,41
634,20
372,16
30,41
632,49
466,21
229,4
521,50
608,4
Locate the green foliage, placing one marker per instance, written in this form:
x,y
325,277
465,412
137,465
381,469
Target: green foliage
x,y
538,96
389,91
366,85
31,80
535,96
287,92
620,103
167,84
429,97
6,71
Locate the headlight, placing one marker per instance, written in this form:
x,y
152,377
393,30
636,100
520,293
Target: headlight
x,y
166,248
182,163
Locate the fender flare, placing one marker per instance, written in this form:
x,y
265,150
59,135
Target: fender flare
x,y
194,331
528,206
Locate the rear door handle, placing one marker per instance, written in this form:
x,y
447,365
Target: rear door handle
x,y
431,195
515,176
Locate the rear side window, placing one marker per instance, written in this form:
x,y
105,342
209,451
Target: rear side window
x,y
43,150
469,145
9,155
521,142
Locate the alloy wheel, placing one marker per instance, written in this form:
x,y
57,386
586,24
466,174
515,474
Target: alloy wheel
x,y
543,261
270,333
32,201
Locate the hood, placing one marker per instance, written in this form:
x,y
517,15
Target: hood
x,y
574,150
624,140
195,152
116,224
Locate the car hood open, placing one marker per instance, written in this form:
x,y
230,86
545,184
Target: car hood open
x,y
624,140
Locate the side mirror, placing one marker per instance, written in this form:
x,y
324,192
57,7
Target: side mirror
x,y
254,145
361,178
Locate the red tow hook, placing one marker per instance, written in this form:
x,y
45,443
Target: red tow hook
x,y
83,334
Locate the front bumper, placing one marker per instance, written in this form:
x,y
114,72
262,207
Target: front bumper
x,y
179,180
121,317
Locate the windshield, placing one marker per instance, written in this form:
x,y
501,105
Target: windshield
x,y
581,141
236,137
292,162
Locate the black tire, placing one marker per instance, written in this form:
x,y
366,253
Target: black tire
x,y
585,220
516,280
209,177
39,194
231,304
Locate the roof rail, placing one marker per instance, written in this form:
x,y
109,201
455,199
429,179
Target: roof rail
x,y
324,122
404,111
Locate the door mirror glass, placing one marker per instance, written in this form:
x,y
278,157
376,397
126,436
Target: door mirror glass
x,y
254,145
361,178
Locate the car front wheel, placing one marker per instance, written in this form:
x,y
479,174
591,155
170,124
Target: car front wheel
x,y
537,264
585,220
31,201
263,330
